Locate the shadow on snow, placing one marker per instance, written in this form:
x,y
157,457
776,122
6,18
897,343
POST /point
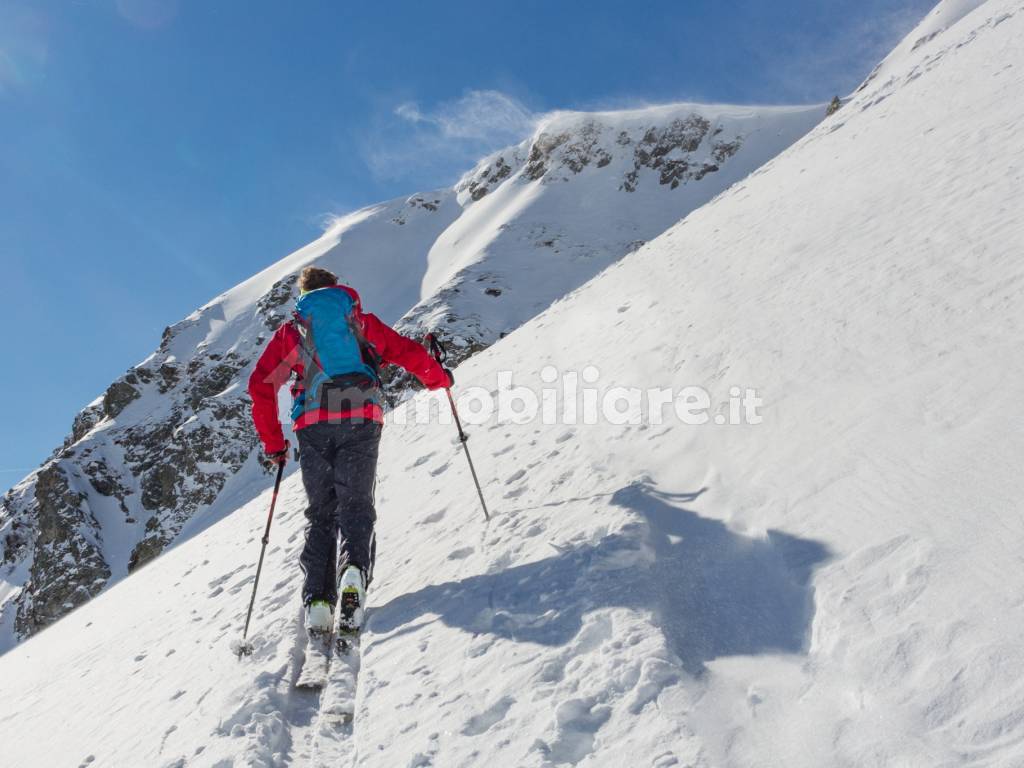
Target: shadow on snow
x,y
714,592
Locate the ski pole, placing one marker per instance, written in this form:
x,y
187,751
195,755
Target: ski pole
x,y
440,355
245,647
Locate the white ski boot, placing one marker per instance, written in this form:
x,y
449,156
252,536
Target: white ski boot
x,y
319,623
352,601
319,615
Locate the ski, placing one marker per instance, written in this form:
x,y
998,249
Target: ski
x,y
342,641
332,742
337,703
316,666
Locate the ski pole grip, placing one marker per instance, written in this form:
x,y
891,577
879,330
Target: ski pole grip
x,y
436,350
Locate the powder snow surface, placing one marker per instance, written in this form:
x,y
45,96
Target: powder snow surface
x,y
839,585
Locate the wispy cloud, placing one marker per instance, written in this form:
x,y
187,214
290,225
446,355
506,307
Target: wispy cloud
x,y
476,116
442,141
839,64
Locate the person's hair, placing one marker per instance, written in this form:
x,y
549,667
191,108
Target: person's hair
x,y
312,278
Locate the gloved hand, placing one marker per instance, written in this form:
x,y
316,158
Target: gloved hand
x,y
451,377
280,458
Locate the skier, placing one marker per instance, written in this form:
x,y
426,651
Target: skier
x,y
332,351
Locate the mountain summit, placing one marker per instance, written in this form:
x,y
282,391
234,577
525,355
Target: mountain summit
x,y
169,447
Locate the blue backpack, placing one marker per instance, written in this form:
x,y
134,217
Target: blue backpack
x,y
340,369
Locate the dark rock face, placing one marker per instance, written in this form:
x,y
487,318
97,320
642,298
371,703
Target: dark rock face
x,y
160,466
399,385
670,150
117,397
104,479
540,154
428,205
169,376
572,151
16,532
86,419
183,460
68,568
723,150
687,148
490,177
414,204
210,375
271,307
146,550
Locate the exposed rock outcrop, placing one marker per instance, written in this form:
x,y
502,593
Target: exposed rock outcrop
x,y
67,567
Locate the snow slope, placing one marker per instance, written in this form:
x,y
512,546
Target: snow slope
x,y
169,447
587,188
838,585
943,16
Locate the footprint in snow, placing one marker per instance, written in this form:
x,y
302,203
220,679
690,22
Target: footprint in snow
x,y
460,554
236,588
421,460
578,722
440,470
491,716
434,517
517,475
221,579
167,733
480,645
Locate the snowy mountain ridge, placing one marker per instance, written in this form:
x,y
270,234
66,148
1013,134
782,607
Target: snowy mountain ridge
x,y
169,447
542,218
838,585
942,17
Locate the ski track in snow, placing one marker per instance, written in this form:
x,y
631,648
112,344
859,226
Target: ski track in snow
x,y
838,586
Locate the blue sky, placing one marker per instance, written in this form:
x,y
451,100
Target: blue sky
x,y
153,153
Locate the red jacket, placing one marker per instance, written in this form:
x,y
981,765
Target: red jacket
x,y
282,358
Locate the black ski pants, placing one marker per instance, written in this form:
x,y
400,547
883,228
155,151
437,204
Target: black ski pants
x,y
339,468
